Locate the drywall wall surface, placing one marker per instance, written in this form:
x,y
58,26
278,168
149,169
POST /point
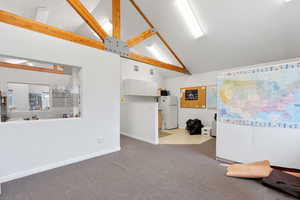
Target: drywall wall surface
x,y
31,77
241,143
139,120
143,72
249,144
31,147
139,114
206,79
174,85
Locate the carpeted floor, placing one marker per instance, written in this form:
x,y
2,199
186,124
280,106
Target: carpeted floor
x,y
142,172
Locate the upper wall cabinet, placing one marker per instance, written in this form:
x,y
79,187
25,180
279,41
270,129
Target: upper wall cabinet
x,y
139,88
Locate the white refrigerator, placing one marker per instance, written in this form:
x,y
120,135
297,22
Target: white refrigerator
x,y
168,105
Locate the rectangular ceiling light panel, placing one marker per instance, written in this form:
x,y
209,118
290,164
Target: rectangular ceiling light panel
x,y
15,61
189,17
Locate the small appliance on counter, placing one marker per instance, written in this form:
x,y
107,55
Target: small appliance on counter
x,y
162,92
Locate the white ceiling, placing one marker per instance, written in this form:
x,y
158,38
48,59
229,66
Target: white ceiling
x,y
238,32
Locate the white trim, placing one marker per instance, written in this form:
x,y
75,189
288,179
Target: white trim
x,y
22,174
140,138
222,160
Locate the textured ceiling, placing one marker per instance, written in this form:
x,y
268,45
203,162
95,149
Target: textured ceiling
x,y
238,32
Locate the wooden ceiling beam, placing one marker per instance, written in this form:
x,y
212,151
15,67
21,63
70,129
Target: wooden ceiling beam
x,y
88,18
172,51
22,22
141,13
31,68
151,61
158,34
116,18
141,37
29,24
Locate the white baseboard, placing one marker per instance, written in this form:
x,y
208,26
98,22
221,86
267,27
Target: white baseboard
x,y
44,168
140,138
225,160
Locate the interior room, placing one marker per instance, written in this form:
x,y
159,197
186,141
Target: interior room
x,y
131,99
38,91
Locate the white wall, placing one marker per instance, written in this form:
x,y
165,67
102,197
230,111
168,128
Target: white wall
x,y
21,96
206,79
240,143
127,71
174,85
139,114
139,120
33,77
249,144
31,147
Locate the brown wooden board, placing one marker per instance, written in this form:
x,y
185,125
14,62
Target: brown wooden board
x,y
193,97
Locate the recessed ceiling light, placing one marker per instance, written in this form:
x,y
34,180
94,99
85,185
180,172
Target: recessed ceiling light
x,y
157,52
189,17
107,26
15,61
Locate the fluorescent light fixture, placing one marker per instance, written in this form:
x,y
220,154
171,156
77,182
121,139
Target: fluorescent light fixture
x,y
15,61
107,26
156,51
189,17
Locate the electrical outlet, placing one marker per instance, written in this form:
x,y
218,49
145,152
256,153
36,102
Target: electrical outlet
x,y
100,140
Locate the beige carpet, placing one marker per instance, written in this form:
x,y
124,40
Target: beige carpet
x,y
180,136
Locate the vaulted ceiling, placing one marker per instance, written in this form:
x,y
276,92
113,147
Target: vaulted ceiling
x,y
238,32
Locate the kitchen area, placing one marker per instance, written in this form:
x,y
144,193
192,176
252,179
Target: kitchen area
x,y
35,90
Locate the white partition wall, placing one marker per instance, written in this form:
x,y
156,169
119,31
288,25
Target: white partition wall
x,y
30,147
242,143
139,120
139,109
258,115
250,144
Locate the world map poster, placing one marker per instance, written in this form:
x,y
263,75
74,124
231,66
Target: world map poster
x,y
261,97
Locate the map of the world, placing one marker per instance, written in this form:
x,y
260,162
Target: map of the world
x,y
261,97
